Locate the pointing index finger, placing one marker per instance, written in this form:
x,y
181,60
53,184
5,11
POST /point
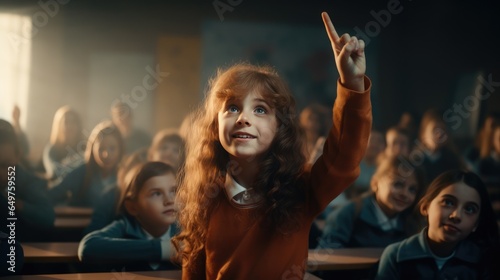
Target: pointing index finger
x,y
330,29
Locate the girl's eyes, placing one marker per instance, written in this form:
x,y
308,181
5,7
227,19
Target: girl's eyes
x,y
232,109
398,185
156,193
260,110
470,209
447,202
413,190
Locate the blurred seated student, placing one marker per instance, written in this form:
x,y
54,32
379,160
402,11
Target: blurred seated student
x,y
315,121
398,143
133,137
140,240
368,165
461,240
376,146
436,146
108,207
87,183
409,121
167,147
64,152
24,147
482,144
489,165
34,213
380,217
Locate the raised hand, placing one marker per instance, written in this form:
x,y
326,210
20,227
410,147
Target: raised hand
x,y
349,56
16,115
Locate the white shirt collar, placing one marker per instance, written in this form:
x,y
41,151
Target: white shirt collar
x,y
165,236
385,223
234,191
232,187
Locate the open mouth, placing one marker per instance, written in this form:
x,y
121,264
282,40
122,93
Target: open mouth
x,y
170,212
241,135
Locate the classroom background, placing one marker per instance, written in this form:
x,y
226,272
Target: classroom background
x,y
158,57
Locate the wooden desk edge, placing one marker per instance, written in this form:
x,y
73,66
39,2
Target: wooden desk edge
x,y
326,266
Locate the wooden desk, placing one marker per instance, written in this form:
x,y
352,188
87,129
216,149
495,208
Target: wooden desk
x,y
68,211
139,275
63,252
72,222
343,259
117,275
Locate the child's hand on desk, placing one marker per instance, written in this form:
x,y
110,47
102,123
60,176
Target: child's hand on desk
x,y
349,56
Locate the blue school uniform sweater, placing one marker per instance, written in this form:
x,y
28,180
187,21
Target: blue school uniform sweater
x,y
123,242
413,259
350,226
73,182
36,216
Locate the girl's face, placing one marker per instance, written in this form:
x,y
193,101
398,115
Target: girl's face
x,y
106,152
434,135
154,206
453,214
394,194
397,144
169,153
247,126
496,140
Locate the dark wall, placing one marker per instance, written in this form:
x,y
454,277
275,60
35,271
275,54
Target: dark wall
x,y
423,50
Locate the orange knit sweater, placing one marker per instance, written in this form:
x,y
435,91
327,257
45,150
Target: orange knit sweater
x,y
239,246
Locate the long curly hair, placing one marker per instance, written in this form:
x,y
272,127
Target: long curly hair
x,y
202,178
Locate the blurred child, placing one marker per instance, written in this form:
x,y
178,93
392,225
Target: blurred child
x,y
107,208
24,147
64,153
381,217
315,120
247,199
398,143
167,147
376,146
489,165
439,154
133,137
84,185
409,121
461,240
141,238
28,198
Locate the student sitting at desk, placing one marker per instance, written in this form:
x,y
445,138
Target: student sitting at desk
x,y
381,217
142,236
107,208
461,240
85,184
167,147
22,192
